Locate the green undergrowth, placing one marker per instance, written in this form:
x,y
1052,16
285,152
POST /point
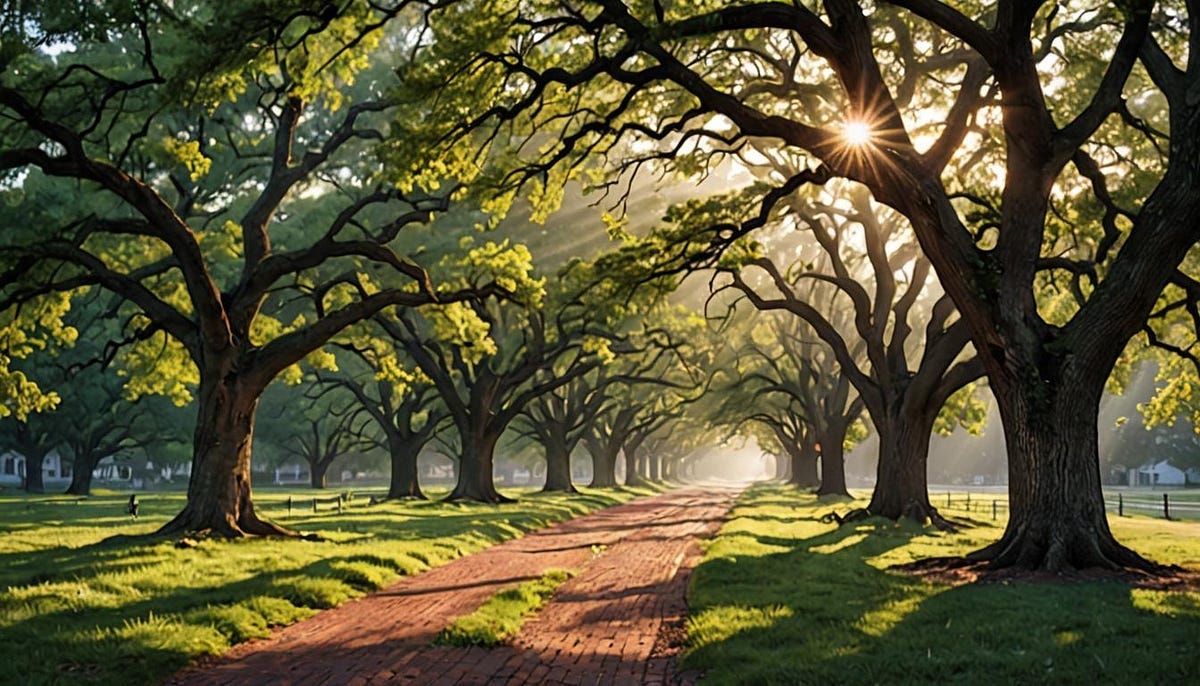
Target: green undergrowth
x,y
78,606
501,617
782,598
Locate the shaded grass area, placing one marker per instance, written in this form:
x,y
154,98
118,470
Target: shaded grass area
x,y
501,617
782,598
80,607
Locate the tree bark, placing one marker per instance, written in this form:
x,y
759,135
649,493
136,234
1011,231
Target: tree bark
x,y
803,466
604,466
317,473
1057,517
404,482
901,485
632,476
34,481
654,468
81,475
558,465
833,467
475,468
219,495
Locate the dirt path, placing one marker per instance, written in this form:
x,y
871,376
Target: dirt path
x,y
616,622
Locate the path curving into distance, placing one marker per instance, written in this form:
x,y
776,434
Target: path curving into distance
x,y
618,621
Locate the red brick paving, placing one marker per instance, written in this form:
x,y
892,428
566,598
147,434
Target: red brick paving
x,y
610,624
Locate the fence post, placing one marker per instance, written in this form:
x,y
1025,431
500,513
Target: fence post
x,y
1167,506
947,500
968,501
339,505
289,506
314,504
993,509
1120,505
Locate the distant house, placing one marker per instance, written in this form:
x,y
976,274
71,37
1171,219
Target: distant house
x,y
12,468
1193,475
1158,474
138,471
292,473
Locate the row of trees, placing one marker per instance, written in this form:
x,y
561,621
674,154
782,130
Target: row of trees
x,y
997,132
296,191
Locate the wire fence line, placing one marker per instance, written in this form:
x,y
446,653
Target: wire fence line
x,y
1154,505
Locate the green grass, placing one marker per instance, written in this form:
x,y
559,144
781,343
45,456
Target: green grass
x,y
781,598
501,617
76,607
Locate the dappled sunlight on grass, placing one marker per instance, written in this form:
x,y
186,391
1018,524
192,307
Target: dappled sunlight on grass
x,y
840,545
726,621
1167,603
812,603
79,604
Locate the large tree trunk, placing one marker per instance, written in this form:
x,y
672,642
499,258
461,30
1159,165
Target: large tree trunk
x,y
632,476
803,466
318,470
654,467
901,486
475,468
404,482
34,481
1057,518
81,475
219,498
833,466
604,466
558,465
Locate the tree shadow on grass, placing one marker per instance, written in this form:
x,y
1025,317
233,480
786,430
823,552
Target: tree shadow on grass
x,y
100,634
819,612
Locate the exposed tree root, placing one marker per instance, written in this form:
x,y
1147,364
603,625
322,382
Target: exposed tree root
x,y
963,570
493,498
855,515
915,511
247,525
1064,550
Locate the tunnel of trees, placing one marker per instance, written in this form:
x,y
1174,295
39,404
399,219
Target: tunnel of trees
x,y
319,232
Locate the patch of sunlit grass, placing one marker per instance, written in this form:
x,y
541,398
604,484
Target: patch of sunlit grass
x,y
501,616
76,606
807,602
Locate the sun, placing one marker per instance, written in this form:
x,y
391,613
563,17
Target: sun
x,y
857,133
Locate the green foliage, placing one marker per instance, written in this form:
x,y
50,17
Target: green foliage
x,y
501,617
965,408
781,598
34,328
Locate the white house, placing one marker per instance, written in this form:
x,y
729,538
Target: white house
x,y
1159,474
292,473
12,468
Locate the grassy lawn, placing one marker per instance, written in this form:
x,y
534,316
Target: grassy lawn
x,y
502,616
781,598
76,608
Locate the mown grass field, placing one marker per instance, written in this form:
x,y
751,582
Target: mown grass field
x,y
78,608
782,598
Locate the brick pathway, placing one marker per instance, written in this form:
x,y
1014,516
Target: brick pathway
x,y
616,622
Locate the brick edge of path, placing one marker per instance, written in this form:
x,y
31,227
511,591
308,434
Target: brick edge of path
x,y
619,620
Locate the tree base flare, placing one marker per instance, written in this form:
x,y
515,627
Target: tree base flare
x,y
247,525
964,570
493,498
559,489
915,512
1061,548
